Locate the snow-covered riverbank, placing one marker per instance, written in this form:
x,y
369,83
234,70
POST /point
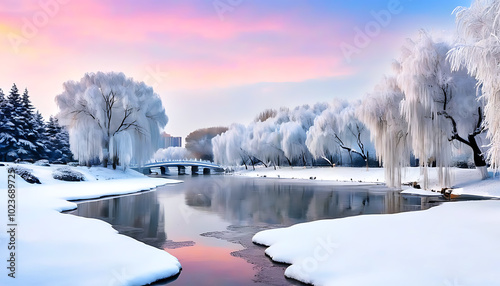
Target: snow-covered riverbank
x,y
59,249
449,245
465,181
452,244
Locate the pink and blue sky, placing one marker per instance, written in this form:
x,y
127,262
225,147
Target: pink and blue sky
x,y
213,62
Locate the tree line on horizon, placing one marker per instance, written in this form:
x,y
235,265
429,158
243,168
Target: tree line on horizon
x,y
439,106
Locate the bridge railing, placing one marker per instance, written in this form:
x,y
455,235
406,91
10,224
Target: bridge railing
x,y
183,161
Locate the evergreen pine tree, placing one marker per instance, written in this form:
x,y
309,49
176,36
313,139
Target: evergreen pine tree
x,y
24,133
41,141
58,142
26,103
6,127
13,129
29,138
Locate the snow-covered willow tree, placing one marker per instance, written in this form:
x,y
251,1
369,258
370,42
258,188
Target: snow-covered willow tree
x,y
439,105
111,117
321,141
380,112
227,147
172,153
337,130
293,138
263,142
274,138
478,50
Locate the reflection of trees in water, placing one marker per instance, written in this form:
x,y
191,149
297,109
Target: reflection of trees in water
x,y
137,216
246,202
274,202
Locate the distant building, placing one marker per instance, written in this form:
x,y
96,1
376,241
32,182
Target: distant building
x,y
167,140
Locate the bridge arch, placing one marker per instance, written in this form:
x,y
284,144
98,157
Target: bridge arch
x,y
181,166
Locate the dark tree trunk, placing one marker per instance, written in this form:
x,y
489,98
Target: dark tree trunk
x,y
253,163
115,162
479,160
289,162
244,162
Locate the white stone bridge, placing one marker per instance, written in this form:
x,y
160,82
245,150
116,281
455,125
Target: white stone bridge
x,y
181,165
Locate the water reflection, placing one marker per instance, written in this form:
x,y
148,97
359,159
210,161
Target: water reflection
x,y
138,216
269,201
242,201
211,204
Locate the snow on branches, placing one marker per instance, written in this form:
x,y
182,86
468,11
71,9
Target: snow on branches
x,y
478,50
111,118
389,130
172,153
337,129
438,104
294,137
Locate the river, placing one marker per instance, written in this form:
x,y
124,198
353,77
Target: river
x,y
207,222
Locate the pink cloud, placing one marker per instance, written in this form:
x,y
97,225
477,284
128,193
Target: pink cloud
x,y
198,75
198,50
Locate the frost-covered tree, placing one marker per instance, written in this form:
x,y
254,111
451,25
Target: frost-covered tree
x,y
281,137
478,50
172,153
227,147
380,112
335,130
439,105
111,117
320,139
293,139
263,143
273,138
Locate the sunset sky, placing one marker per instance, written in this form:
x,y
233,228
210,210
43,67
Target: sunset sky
x,y
212,62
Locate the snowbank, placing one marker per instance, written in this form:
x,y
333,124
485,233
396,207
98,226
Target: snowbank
x,y
465,181
339,174
452,244
61,249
